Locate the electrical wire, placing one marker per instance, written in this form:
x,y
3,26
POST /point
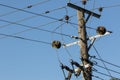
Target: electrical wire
x,y
102,61
36,28
102,73
21,20
31,17
112,6
107,62
58,27
35,13
23,38
98,77
118,5
40,15
108,69
69,53
11,12
40,3
29,29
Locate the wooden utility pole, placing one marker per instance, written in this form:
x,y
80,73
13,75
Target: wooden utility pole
x,y
87,66
83,44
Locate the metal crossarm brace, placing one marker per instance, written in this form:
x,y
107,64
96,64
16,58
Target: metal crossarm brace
x,y
90,38
83,10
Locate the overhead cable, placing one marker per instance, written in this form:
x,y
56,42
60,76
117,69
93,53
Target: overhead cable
x,y
28,29
32,5
36,28
102,61
108,69
103,74
118,5
107,62
41,15
36,13
23,38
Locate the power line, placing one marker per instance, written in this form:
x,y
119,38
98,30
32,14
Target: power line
x,y
22,19
27,11
32,5
118,5
102,61
108,69
103,73
39,3
98,77
31,17
36,28
36,13
29,29
112,6
41,15
107,62
23,38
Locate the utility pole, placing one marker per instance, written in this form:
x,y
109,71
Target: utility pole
x,y
86,67
83,43
87,71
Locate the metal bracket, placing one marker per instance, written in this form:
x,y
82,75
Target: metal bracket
x,y
83,10
90,38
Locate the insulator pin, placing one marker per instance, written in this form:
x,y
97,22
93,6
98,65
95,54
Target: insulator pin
x,y
100,9
30,6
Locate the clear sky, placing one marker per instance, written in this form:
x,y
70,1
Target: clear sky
x,y
23,55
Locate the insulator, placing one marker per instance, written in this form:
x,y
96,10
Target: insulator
x,y
77,71
67,68
56,44
76,64
47,12
87,65
100,9
84,2
29,6
75,37
67,17
101,30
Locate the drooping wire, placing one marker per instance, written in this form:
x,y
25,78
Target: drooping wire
x,y
31,17
21,20
23,38
36,28
60,63
39,14
102,61
109,6
32,5
35,13
69,53
102,73
29,29
58,27
108,69
98,77
40,3
107,62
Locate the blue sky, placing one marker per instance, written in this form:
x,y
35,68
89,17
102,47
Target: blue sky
x,y
30,60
